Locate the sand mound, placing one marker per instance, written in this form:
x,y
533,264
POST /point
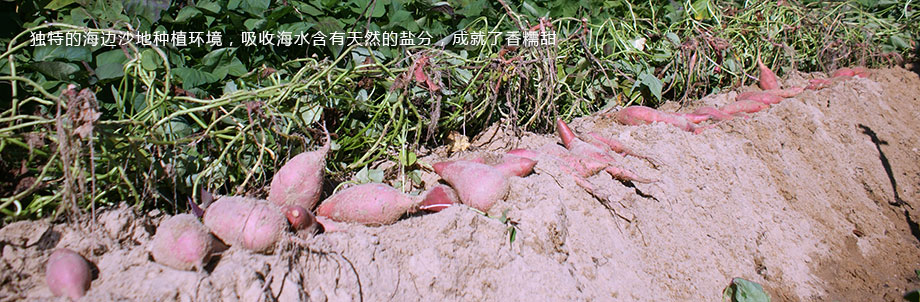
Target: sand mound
x,y
814,198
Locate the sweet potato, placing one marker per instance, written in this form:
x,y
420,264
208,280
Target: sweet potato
x,y
513,165
298,217
438,198
844,72
641,115
586,157
67,274
693,117
252,224
745,106
182,242
786,93
713,113
815,84
760,96
613,145
478,185
300,180
767,77
368,204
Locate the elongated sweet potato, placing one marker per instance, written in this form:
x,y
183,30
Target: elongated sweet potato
x,y
252,224
513,165
759,96
844,72
368,204
744,106
787,93
478,185
767,77
587,157
300,181
182,243
713,113
642,115
68,274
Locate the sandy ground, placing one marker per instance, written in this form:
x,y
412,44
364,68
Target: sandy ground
x,y
796,198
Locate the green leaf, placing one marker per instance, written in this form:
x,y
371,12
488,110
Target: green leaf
x,y
194,77
58,70
150,59
187,13
110,64
70,53
230,87
899,42
307,9
218,56
654,84
148,9
741,290
58,4
209,6
255,7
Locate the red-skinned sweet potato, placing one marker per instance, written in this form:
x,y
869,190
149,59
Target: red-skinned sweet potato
x,y
787,93
368,204
744,106
438,198
713,113
585,156
642,115
768,79
182,242
513,165
300,181
298,217
252,224
478,185
68,274
760,96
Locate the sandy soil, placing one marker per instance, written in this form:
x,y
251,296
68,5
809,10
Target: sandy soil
x,y
796,198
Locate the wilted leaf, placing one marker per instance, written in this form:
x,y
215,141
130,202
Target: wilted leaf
x,y
741,290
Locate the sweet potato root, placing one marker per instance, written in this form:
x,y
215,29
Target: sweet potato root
x,y
587,157
68,274
478,185
642,115
713,113
767,77
369,204
298,217
182,242
300,180
759,96
744,106
252,224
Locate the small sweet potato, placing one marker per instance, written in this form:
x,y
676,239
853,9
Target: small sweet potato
x,y
68,274
368,204
298,217
478,185
438,198
513,165
745,106
252,224
182,242
767,77
815,84
844,72
300,180
760,96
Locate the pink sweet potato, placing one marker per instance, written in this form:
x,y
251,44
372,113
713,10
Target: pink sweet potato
x,y
767,77
744,106
642,115
513,165
786,93
815,84
586,157
478,185
760,96
368,204
68,274
438,198
844,72
182,242
713,113
298,217
252,224
300,180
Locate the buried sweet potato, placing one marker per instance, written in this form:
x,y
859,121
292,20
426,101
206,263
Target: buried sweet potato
x,y
182,242
513,165
713,113
68,274
744,106
300,180
298,217
252,224
760,96
440,197
642,115
478,185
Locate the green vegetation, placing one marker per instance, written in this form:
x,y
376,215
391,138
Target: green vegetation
x,y
155,124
